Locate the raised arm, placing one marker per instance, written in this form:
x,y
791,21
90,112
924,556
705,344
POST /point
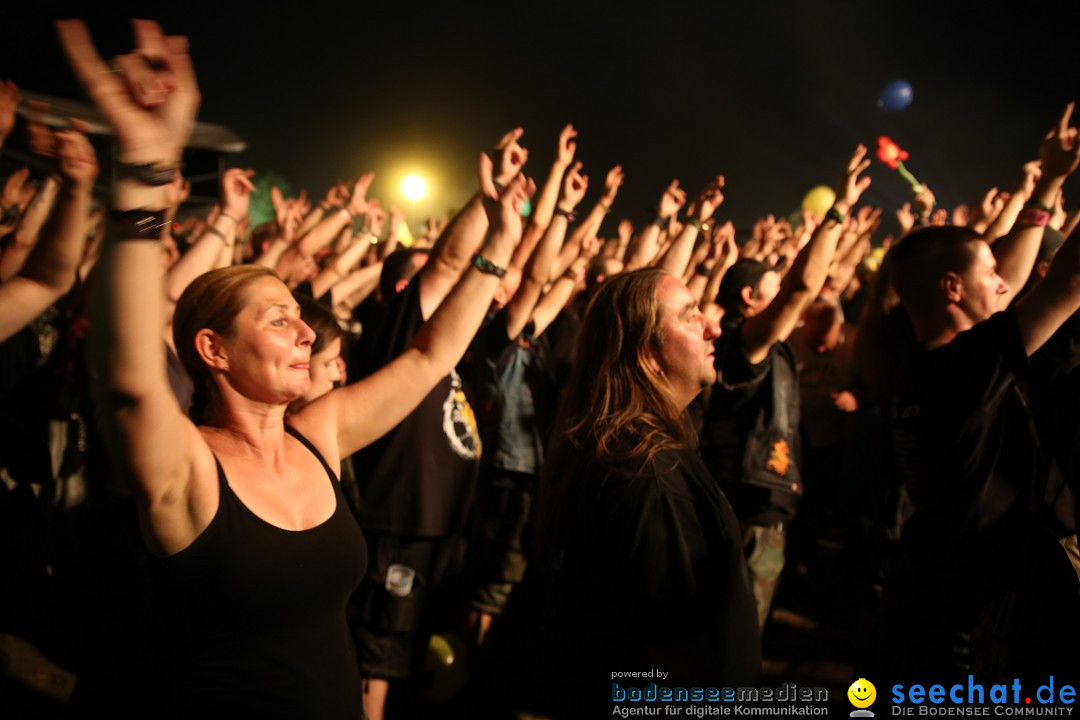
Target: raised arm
x,y
678,255
460,240
723,254
220,235
364,411
1017,251
811,268
355,287
152,117
340,267
647,244
1010,209
328,228
538,269
49,271
590,226
564,288
1054,300
544,206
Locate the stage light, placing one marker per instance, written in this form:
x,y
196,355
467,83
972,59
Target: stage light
x,y
413,187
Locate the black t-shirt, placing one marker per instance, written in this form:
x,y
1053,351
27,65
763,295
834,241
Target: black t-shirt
x,y
653,567
965,441
418,480
751,439
979,583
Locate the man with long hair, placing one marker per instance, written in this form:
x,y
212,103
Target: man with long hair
x,y
641,551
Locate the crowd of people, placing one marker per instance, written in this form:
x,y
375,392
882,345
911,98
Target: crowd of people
x,y
256,470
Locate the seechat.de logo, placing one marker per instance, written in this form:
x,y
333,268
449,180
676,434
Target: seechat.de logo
x,y
862,694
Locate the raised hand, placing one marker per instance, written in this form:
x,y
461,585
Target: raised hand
x,y
591,247
961,215
337,195
511,157
906,218
574,186
1060,151
1029,176
280,208
236,189
612,183
76,160
867,220
358,202
925,202
376,218
151,103
730,253
671,201
710,199
988,206
41,138
851,186
567,146
503,205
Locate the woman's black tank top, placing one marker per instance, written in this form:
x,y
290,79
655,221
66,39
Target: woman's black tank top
x,y
262,614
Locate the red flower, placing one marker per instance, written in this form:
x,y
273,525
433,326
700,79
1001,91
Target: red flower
x,y
889,152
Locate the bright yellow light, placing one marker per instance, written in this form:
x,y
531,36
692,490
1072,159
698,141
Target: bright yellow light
x,y
414,187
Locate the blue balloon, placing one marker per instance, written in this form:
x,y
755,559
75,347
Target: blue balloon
x,y
896,96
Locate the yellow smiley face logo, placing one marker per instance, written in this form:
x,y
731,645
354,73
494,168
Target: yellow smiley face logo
x,y
862,693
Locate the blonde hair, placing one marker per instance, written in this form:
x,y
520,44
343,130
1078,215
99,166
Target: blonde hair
x,y
211,302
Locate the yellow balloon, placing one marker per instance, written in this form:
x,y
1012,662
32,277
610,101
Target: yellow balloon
x,y
819,199
449,667
440,652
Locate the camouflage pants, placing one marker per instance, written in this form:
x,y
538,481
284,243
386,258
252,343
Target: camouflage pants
x,y
764,548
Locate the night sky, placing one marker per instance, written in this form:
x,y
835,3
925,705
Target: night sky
x,y
772,96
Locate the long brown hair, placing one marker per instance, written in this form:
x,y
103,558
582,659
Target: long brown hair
x,y
212,301
616,412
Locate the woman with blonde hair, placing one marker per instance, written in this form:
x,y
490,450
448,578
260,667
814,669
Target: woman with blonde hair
x,y
244,508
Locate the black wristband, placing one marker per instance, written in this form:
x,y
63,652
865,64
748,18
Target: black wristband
x,y
1033,203
703,270
487,267
570,217
660,221
835,215
147,173
137,224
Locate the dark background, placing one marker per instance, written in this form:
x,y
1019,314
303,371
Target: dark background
x,y
773,96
